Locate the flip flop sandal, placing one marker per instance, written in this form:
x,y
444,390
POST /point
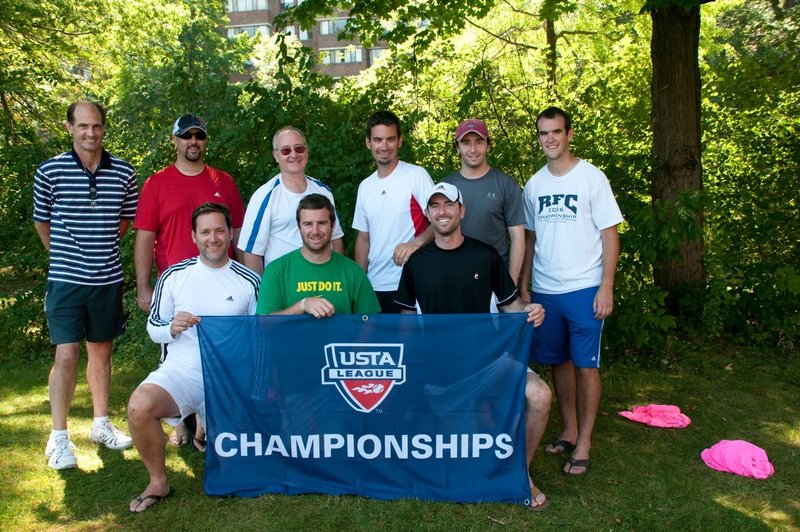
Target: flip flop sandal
x,y
179,437
572,462
199,445
563,445
156,498
539,506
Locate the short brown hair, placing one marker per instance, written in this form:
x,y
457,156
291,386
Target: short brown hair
x,y
315,202
208,207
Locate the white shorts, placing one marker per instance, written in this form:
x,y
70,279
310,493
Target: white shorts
x,y
185,388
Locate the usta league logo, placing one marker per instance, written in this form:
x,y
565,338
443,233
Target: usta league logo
x,y
364,374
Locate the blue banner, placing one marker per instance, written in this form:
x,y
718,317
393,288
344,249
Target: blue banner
x,y
384,406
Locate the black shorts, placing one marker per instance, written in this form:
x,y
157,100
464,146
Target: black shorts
x,y
386,300
77,311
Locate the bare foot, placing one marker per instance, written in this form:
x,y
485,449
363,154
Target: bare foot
x,y
180,436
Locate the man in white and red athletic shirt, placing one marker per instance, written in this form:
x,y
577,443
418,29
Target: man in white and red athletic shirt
x,y
389,211
166,202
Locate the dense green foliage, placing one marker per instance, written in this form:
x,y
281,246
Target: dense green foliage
x,y
151,62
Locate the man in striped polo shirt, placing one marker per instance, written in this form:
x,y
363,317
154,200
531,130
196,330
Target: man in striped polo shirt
x,y
83,200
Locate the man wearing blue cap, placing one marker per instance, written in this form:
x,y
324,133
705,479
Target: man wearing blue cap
x,y
167,200
163,228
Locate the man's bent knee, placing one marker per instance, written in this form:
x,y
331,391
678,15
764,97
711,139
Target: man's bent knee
x,y
151,401
537,392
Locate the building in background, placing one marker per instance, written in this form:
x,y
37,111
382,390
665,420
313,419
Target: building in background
x,y
334,57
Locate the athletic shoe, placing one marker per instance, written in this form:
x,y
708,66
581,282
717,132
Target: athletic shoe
x,y
51,446
61,453
110,436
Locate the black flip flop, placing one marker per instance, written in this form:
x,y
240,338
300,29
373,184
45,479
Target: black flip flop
x,y
156,498
572,462
565,446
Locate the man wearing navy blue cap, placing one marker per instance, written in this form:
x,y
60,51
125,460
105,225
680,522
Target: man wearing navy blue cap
x,y
169,196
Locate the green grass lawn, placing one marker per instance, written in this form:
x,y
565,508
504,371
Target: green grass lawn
x,y
642,478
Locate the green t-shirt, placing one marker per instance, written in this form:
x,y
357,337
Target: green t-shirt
x,y
341,281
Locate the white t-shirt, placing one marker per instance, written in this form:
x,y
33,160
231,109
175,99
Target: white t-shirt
x,y
391,210
270,222
191,286
567,213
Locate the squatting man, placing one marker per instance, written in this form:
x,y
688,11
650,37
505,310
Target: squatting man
x,y
210,284
458,274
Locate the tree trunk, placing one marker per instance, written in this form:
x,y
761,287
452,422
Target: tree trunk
x,y
676,142
552,54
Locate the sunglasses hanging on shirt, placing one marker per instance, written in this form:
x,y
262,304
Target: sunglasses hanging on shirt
x,y
92,189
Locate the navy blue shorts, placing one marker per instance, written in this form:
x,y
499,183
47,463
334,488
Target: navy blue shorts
x,y
569,330
77,311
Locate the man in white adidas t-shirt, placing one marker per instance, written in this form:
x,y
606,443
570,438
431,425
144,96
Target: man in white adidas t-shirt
x,y
389,211
210,284
571,251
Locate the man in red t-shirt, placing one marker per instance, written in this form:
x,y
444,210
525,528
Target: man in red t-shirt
x,y
163,220
168,197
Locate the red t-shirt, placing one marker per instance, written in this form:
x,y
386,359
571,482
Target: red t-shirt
x,y
166,202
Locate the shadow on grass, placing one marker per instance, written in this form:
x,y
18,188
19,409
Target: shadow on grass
x,y
102,496
642,478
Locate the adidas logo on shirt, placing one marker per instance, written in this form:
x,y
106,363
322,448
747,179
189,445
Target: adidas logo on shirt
x,y
230,298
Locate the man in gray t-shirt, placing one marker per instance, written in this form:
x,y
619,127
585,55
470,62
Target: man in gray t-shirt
x,y
492,199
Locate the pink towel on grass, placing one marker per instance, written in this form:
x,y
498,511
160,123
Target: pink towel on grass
x,y
665,416
739,457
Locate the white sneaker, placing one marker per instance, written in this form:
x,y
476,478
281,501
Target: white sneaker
x,y
61,453
110,436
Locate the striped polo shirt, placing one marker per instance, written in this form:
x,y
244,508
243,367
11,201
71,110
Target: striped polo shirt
x,y
84,231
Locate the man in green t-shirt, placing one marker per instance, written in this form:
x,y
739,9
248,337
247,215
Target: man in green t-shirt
x,y
313,279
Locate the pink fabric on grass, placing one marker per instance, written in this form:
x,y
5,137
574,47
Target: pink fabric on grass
x,y
665,416
739,457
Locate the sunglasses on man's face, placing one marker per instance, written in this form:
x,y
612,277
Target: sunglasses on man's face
x,y
199,135
297,149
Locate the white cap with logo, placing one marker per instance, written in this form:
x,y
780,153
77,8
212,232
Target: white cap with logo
x,y
449,191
